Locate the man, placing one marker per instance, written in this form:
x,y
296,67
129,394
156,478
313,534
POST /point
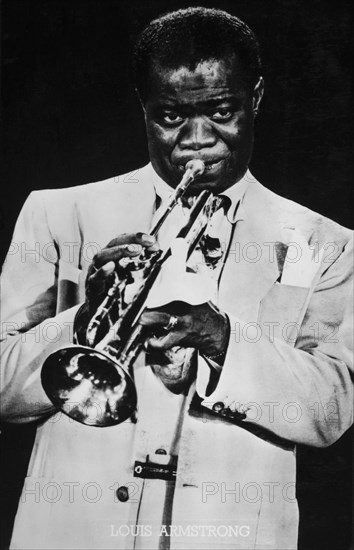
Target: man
x,y
272,334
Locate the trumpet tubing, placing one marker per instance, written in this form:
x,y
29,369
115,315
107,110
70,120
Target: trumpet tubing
x,y
94,384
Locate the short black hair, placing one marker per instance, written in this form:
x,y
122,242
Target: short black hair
x,y
188,36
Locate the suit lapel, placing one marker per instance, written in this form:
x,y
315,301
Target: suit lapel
x,y
256,245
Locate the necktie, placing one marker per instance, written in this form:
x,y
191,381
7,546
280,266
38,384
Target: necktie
x,y
210,246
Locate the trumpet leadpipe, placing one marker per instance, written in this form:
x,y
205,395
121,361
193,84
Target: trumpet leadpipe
x,y
193,169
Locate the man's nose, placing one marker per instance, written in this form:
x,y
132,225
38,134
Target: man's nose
x,y
197,134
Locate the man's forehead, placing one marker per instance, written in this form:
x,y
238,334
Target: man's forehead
x,y
200,74
226,62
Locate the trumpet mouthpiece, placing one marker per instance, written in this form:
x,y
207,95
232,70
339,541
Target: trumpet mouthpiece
x,y
196,167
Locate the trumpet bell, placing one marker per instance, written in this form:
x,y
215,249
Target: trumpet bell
x,y
87,385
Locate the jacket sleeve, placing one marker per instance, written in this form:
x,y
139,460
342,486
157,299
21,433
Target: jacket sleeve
x,y
30,328
302,393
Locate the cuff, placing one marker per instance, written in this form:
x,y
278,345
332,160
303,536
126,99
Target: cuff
x,y
218,394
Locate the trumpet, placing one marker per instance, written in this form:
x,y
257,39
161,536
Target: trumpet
x,y
94,384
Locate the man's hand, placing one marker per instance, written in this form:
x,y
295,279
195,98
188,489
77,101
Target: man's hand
x,y
100,274
99,277
203,327
178,326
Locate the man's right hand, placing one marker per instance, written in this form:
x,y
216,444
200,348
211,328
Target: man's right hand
x,y
99,276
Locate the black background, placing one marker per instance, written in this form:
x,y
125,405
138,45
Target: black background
x,y
70,116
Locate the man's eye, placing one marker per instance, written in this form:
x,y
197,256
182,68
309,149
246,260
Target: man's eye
x,y
221,115
172,118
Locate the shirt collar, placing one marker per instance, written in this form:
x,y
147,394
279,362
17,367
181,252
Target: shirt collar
x,y
235,193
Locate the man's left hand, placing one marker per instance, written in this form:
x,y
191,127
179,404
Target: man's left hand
x,y
203,327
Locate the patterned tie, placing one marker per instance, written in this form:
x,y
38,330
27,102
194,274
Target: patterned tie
x,y
209,244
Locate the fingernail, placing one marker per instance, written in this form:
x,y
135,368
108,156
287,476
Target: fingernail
x,y
109,267
148,239
134,248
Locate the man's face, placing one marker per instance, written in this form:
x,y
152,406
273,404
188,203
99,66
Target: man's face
x,y
206,114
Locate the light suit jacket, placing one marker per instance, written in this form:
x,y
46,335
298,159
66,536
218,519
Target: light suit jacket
x,y
287,365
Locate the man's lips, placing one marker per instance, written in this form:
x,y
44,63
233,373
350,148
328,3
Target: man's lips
x,y
210,164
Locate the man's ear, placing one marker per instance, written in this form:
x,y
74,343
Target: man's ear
x,y
257,95
140,101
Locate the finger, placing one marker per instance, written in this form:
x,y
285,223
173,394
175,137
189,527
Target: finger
x,y
148,241
165,342
116,253
143,239
154,319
